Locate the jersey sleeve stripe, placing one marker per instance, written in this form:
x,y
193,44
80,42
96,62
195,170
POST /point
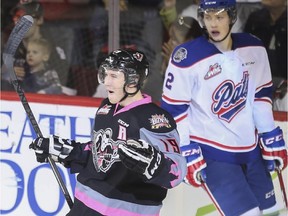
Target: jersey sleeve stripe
x,y
173,101
264,93
268,100
269,84
180,118
222,146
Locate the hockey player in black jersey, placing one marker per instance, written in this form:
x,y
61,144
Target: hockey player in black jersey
x,y
133,157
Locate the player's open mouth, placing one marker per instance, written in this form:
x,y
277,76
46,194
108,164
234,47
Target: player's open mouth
x,y
215,33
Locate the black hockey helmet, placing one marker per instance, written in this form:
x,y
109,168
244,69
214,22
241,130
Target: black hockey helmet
x,y
217,5
132,63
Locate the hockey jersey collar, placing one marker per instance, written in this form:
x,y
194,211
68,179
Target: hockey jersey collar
x,y
146,99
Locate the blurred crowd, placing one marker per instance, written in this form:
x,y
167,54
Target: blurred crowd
x,y
69,39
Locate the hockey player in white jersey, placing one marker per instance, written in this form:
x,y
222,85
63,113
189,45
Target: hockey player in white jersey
x,y
218,89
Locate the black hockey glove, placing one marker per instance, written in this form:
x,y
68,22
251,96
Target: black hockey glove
x,y
141,157
57,147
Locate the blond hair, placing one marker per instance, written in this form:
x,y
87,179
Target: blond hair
x,y
43,43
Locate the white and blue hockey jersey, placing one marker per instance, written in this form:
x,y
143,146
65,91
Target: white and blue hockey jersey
x,y
220,100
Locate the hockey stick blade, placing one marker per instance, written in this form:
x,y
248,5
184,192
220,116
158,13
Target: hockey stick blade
x,y
15,38
17,34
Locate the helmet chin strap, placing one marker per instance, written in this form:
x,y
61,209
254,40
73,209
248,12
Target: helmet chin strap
x,y
129,94
123,98
218,41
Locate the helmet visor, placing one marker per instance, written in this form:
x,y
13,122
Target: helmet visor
x,y
102,71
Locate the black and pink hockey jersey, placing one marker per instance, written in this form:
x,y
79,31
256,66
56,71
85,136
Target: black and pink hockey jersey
x,y
104,185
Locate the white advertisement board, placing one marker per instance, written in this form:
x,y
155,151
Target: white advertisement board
x,y
30,188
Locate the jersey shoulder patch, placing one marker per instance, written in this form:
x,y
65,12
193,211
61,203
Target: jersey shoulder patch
x,y
154,118
192,51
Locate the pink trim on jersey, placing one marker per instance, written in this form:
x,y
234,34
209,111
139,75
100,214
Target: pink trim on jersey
x,y
146,99
88,147
178,174
103,209
219,145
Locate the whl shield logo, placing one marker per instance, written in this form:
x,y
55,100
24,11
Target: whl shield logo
x,y
213,71
104,110
229,99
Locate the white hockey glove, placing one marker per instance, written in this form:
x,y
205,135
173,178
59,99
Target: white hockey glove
x,y
141,157
196,164
273,149
57,147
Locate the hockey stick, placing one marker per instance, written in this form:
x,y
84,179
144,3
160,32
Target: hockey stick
x,y
16,36
205,188
282,187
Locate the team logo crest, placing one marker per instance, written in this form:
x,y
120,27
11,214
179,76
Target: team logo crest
x,y
230,98
180,55
104,149
159,121
213,71
104,110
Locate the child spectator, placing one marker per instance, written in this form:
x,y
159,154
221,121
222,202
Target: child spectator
x,y
57,57
39,78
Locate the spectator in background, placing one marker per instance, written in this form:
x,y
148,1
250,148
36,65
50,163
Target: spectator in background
x,y
270,25
57,58
169,12
39,78
181,30
6,24
280,97
123,5
244,8
140,28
